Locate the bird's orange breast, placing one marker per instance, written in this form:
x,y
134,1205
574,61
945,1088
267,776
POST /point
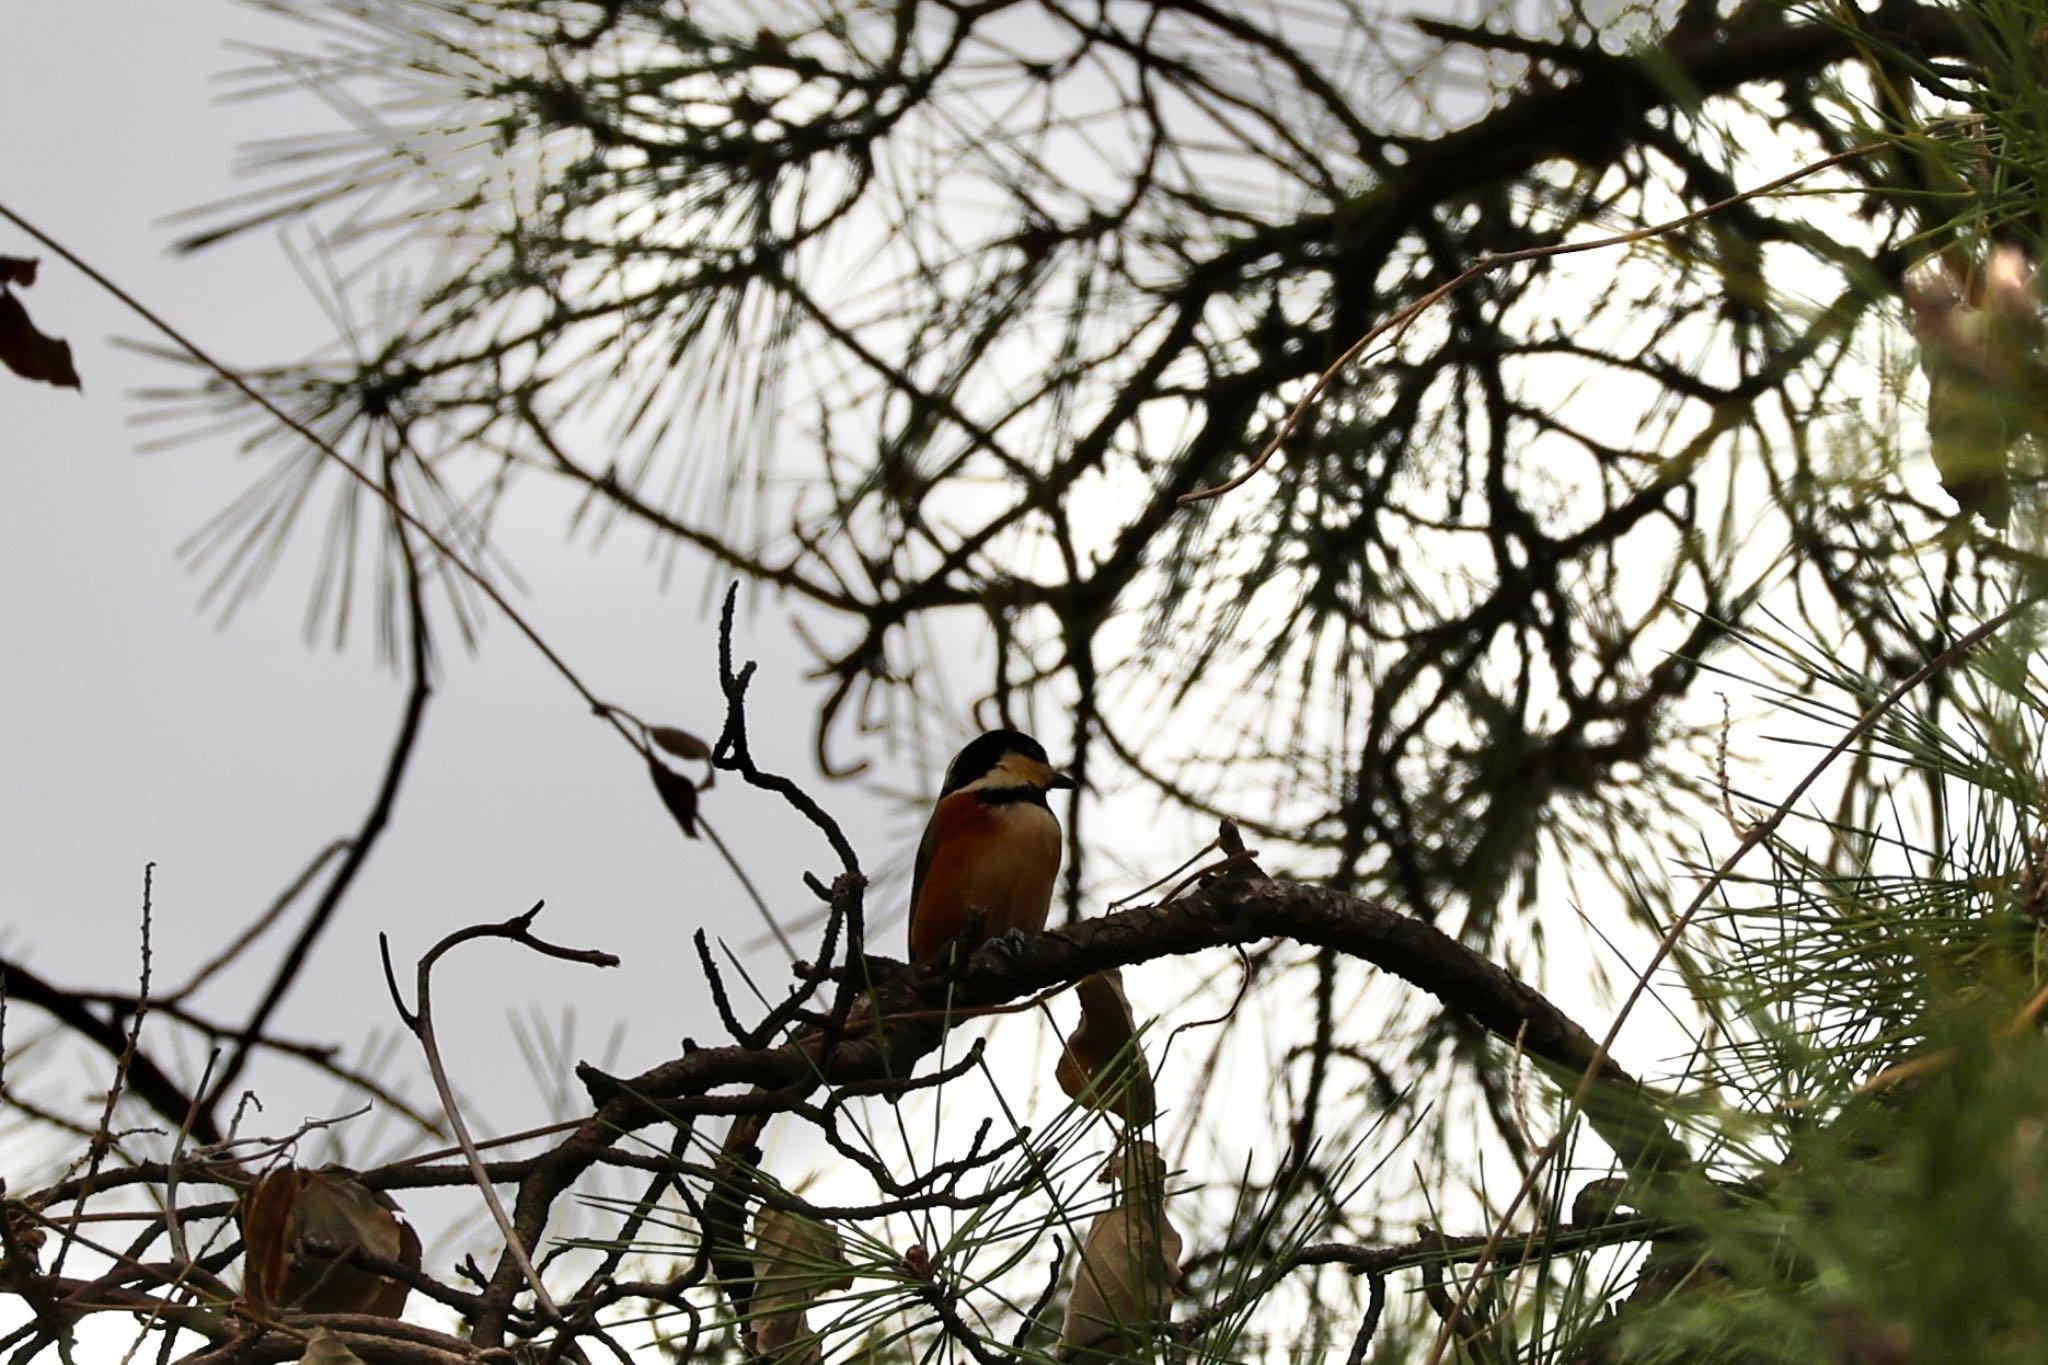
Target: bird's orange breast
x,y
998,859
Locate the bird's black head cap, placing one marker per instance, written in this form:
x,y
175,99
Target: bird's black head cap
x,y
982,754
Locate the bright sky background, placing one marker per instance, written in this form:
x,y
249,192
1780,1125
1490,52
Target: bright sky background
x,y
135,728
138,729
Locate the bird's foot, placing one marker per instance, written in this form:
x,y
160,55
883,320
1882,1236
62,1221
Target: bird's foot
x,y
1009,945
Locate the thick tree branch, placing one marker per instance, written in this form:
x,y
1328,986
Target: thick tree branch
x,y
918,1008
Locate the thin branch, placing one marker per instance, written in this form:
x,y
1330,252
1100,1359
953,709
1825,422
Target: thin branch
x,y
420,1019
359,848
102,1139
249,935
172,1223
733,754
1044,1300
1375,1305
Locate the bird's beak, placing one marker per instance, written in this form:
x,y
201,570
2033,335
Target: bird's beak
x,y
1059,781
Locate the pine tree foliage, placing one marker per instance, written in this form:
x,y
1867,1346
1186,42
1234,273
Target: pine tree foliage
x,y
951,319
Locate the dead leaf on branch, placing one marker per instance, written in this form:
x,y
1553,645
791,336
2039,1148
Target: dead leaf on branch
x,y
293,1222
1980,335
1103,1066
678,792
681,743
797,1261
1130,1264
24,348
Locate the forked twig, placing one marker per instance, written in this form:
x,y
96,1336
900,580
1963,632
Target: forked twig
x,y
420,1020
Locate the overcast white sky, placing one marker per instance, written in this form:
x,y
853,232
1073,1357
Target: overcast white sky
x,y
134,729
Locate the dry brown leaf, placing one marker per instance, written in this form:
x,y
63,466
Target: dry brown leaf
x,y
681,743
1102,1066
26,351
1130,1264
1980,340
291,1218
266,1218
678,793
797,1261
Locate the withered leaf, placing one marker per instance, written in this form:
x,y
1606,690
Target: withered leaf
x,y
1103,1066
797,1261
266,1218
681,743
678,793
1980,335
1130,1263
336,1211
27,352
294,1224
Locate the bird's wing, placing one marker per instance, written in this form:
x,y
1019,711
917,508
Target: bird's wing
x,y
924,862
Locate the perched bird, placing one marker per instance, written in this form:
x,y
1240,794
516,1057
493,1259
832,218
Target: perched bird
x,y
992,850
